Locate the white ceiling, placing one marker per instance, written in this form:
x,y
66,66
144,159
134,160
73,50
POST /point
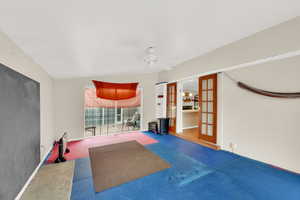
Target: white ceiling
x,y
72,38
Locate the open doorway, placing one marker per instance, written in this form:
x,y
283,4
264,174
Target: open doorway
x,y
199,110
107,117
190,109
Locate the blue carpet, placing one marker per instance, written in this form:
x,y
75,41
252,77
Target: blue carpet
x,y
197,172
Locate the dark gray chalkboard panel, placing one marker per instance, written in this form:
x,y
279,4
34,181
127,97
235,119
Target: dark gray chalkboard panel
x,y
19,130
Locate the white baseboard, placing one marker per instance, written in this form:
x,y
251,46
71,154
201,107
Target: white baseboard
x,y
18,197
86,137
77,139
189,127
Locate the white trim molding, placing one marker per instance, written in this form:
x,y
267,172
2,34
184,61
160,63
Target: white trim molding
x,y
189,127
111,134
179,107
243,65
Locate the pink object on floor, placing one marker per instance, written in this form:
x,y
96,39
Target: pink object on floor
x,y
79,149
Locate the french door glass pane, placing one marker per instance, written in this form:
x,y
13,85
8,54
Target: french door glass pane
x,y
204,117
203,129
204,98
210,118
210,106
173,111
210,84
210,95
209,130
204,82
204,107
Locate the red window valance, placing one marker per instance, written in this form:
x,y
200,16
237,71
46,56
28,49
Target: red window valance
x,y
115,91
92,101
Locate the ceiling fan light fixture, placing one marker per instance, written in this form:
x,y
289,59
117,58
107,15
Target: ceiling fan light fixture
x,y
150,57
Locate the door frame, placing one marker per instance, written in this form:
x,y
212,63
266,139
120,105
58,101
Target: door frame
x,y
212,139
175,93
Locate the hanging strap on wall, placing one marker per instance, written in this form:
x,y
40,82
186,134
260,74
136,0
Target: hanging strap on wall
x,y
291,95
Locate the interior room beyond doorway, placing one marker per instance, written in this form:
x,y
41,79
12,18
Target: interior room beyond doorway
x,y
190,108
191,113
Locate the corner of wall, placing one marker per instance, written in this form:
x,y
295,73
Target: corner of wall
x,y
15,58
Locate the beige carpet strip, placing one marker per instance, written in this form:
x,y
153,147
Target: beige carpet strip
x,y
53,181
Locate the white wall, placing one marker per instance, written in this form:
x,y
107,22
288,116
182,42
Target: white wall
x,y
69,101
190,119
273,41
264,128
15,58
